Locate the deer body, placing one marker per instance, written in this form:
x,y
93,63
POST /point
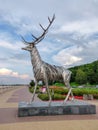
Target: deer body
x,y
44,71
53,73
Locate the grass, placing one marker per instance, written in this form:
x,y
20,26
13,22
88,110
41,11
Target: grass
x,y
74,84
59,84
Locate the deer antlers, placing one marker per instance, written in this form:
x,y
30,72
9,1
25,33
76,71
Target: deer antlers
x,y
41,37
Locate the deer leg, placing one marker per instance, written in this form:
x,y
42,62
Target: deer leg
x,y
35,87
72,96
66,81
47,87
69,93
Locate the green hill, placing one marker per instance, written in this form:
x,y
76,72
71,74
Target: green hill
x,y
84,74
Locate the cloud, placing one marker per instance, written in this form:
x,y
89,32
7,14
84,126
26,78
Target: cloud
x,y
24,16
83,27
78,54
11,53
68,56
10,43
8,72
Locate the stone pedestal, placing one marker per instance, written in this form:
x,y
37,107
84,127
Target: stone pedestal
x,y
57,108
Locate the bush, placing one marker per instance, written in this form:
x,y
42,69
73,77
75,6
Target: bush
x,y
45,97
58,97
77,91
61,91
31,89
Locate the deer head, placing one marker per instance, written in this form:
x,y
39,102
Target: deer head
x,y
36,40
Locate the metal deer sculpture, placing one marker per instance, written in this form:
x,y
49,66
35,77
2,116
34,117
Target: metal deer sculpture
x,y
43,71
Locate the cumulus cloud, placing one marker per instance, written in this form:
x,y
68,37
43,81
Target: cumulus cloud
x,y
8,72
83,27
11,53
78,54
68,56
9,42
9,45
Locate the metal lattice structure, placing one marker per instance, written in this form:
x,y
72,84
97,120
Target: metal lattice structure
x,y
43,71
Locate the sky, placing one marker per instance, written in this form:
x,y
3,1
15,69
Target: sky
x,y
72,39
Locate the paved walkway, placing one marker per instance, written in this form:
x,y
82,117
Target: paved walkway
x,y
10,121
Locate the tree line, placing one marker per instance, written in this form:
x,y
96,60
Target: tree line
x,y
84,74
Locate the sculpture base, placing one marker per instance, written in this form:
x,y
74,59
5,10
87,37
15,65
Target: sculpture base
x,y
75,107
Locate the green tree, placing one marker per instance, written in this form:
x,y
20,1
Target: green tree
x,y
96,71
73,75
81,77
32,83
91,77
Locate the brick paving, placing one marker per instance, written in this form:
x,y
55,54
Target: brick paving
x,y
24,95
20,95
8,115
